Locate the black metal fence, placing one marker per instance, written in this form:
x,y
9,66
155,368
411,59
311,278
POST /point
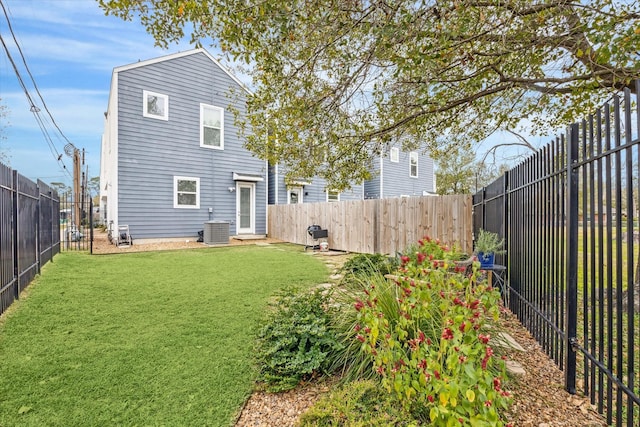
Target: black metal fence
x,y
570,215
29,231
76,222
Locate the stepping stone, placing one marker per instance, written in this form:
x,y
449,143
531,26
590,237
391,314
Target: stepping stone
x,y
514,368
504,340
335,277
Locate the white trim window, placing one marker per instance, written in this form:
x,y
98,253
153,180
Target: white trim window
x,y
413,164
211,127
294,195
394,154
186,192
155,105
333,196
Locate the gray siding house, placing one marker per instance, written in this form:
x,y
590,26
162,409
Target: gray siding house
x,y
401,174
172,157
397,174
313,190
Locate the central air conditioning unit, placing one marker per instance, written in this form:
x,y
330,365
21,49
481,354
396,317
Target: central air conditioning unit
x,y
216,233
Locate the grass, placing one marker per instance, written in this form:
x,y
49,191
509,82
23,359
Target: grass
x,y
162,338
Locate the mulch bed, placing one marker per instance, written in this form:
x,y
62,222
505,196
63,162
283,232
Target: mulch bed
x,y
539,398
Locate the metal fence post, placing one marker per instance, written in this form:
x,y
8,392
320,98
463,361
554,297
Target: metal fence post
x,y
91,226
38,227
506,217
572,259
16,234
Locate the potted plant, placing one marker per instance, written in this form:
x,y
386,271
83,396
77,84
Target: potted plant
x,y
488,244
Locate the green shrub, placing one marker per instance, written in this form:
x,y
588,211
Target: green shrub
x,y
357,404
295,340
433,355
365,265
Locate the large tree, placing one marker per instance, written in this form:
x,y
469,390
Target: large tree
x,y
460,172
336,81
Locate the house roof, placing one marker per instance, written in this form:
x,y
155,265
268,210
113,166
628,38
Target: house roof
x,y
180,55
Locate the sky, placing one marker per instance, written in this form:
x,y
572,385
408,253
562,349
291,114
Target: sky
x,y
71,48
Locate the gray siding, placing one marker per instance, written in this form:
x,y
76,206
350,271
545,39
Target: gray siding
x,y
396,180
372,186
314,192
272,185
151,151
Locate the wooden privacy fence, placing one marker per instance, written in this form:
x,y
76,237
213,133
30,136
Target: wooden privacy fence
x,y
377,225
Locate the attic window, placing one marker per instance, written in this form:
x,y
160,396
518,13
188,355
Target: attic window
x,y
155,105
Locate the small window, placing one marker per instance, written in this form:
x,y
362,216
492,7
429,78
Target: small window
x,y
413,164
294,195
186,192
155,105
211,127
394,155
333,196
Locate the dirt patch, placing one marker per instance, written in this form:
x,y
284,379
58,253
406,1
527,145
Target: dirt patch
x,y
101,244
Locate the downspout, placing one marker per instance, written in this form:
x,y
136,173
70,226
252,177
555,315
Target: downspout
x,y
276,182
266,199
381,177
266,162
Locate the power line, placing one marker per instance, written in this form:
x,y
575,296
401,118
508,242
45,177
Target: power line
x,y
24,61
33,107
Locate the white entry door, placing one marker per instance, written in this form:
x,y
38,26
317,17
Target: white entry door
x,y
246,204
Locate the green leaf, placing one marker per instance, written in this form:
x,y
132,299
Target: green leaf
x,y
471,395
433,414
24,409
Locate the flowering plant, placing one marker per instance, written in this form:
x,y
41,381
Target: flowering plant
x,y
435,354
428,251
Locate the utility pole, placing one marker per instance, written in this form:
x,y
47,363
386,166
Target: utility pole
x,y
74,153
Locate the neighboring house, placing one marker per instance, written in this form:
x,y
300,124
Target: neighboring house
x,y
401,174
172,155
283,192
397,174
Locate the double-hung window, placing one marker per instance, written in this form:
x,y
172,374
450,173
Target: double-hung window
x,y
333,196
186,192
413,164
211,127
394,154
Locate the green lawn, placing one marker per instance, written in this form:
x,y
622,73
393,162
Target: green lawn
x,y
162,338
